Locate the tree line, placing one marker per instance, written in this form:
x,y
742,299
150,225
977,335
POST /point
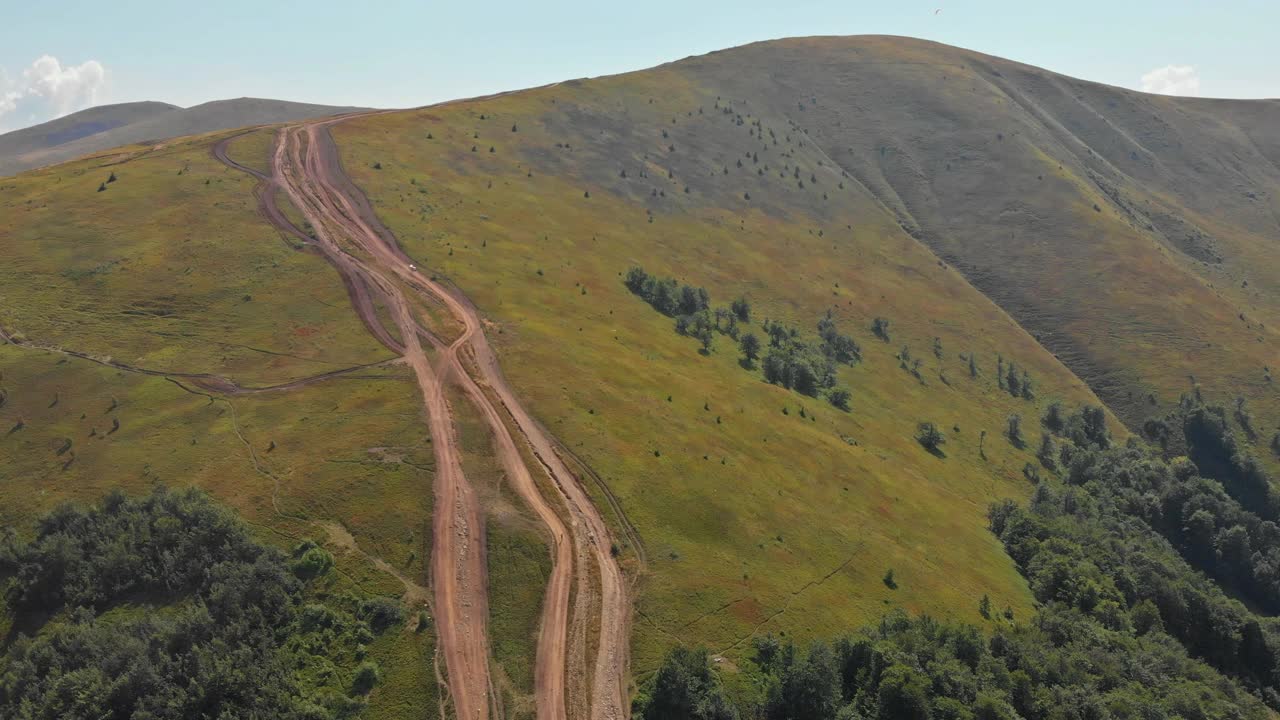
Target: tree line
x,y
1135,560
238,636
1124,535
1064,665
1203,432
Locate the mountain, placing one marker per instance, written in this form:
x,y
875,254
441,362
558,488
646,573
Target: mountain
x,y
942,255
77,125
109,126
1131,233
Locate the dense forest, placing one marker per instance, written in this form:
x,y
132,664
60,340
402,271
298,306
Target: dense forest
x,y
1064,665
1141,559
166,607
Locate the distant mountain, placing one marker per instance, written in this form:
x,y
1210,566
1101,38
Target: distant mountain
x,y
76,126
111,126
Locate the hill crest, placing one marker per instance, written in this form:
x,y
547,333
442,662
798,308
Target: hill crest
x,y
110,126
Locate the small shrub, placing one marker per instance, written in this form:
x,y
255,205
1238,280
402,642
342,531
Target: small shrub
x,y
1048,453
750,346
929,436
840,397
880,328
310,561
1054,419
1014,431
1245,418
367,675
382,613
1031,473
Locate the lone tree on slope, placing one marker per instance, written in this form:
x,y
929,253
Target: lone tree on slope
x,y
928,435
750,345
1014,431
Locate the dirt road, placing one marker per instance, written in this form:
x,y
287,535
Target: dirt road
x,y
376,271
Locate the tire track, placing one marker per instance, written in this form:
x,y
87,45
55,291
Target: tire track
x,y
376,271
458,557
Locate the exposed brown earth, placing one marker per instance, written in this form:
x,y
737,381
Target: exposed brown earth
x,y
377,273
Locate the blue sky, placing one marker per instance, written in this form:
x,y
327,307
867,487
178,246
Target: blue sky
x,y
400,53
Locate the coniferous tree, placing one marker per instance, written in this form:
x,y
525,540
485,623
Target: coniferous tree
x,y
1013,430
750,346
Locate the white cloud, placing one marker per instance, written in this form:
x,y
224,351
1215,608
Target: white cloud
x,y
8,101
47,90
1172,80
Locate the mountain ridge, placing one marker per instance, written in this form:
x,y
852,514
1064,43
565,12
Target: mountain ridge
x,y
30,147
910,166
89,121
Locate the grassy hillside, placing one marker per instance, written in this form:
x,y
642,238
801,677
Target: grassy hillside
x,y
993,214
169,268
760,510
117,296
1131,233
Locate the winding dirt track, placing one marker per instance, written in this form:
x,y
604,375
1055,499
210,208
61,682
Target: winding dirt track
x,y
376,271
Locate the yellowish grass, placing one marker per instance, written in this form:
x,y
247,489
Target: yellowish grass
x,y
763,522
153,272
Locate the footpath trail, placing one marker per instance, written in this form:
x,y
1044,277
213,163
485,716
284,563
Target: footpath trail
x,y
569,682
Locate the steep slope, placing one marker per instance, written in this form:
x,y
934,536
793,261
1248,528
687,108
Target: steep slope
x,y
740,508
1133,234
152,127
73,127
757,509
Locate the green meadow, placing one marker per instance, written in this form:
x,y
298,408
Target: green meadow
x,y
760,510
171,270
